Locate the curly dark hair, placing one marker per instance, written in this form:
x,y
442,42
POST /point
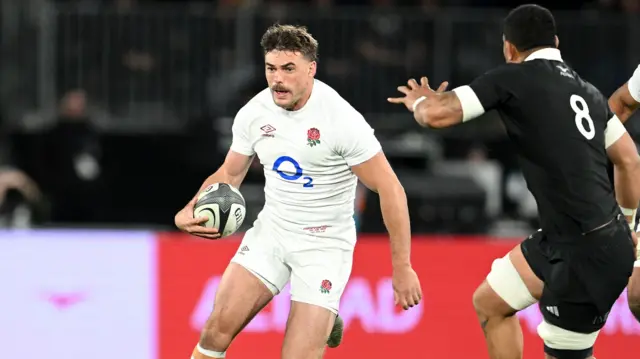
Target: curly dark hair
x,y
290,38
530,26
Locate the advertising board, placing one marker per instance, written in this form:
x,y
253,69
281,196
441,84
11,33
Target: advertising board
x,y
443,326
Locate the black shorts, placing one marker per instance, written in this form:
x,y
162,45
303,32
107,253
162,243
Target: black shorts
x,y
583,276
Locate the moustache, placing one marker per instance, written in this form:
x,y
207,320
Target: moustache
x,y
279,89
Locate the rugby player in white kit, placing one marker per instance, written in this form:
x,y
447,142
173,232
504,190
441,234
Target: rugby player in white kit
x,y
624,102
314,147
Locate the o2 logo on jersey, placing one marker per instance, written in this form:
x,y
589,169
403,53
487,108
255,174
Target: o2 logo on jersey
x,y
287,175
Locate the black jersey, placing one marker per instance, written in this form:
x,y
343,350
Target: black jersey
x,y
557,122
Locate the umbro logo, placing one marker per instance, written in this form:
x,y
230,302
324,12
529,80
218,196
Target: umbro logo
x,y
266,130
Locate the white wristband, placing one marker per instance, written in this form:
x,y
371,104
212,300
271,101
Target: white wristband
x,y
417,102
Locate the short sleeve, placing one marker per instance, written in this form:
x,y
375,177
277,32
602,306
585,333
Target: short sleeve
x,y
485,93
356,141
634,85
241,142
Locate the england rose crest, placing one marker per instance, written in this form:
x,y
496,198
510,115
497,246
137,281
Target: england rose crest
x,y
325,286
313,137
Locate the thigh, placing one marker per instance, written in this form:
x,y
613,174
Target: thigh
x,y
319,276
308,329
262,255
511,285
240,296
563,299
584,279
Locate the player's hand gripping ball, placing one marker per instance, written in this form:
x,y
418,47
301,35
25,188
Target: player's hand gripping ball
x,y
223,206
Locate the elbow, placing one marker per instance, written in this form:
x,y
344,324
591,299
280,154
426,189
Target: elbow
x,y
222,175
392,189
629,163
616,105
620,108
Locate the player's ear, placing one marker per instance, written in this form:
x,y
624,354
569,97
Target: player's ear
x,y
313,67
509,51
557,42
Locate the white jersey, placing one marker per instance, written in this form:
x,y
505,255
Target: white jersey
x,y
634,85
307,155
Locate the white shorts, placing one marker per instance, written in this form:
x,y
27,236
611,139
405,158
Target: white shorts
x,y
319,273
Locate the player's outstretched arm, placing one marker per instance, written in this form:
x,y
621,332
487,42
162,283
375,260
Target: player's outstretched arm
x,y
626,99
435,109
440,109
377,174
623,154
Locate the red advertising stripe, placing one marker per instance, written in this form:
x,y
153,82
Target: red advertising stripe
x,y
443,326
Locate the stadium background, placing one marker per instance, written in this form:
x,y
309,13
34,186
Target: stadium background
x,y
113,112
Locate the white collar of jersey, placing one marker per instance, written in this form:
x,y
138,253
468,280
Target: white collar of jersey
x,y
545,54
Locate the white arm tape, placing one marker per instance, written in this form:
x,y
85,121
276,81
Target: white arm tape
x,y
630,212
417,102
634,85
471,105
615,129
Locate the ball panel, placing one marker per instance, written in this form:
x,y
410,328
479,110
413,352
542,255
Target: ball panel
x,y
237,191
211,211
224,196
234,220
210,188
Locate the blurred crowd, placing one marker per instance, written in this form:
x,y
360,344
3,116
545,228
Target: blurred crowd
x,y
113,111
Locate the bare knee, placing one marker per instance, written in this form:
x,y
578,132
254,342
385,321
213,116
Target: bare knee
x,y
510,286
239,297
307,331
487,303
217,333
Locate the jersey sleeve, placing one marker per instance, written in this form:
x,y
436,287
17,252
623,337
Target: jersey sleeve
x,y
485,93
241,142
634,85
356,141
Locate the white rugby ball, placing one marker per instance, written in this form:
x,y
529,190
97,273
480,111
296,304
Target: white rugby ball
x,y
224,207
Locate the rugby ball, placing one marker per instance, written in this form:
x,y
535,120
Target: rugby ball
x,y
224,207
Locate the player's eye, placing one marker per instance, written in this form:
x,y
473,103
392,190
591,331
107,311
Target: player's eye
x,y
289,69
271,69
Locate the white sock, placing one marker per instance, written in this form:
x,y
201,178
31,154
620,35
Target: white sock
x,y
209,353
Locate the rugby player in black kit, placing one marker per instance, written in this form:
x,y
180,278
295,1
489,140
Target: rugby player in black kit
x,y
579,263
